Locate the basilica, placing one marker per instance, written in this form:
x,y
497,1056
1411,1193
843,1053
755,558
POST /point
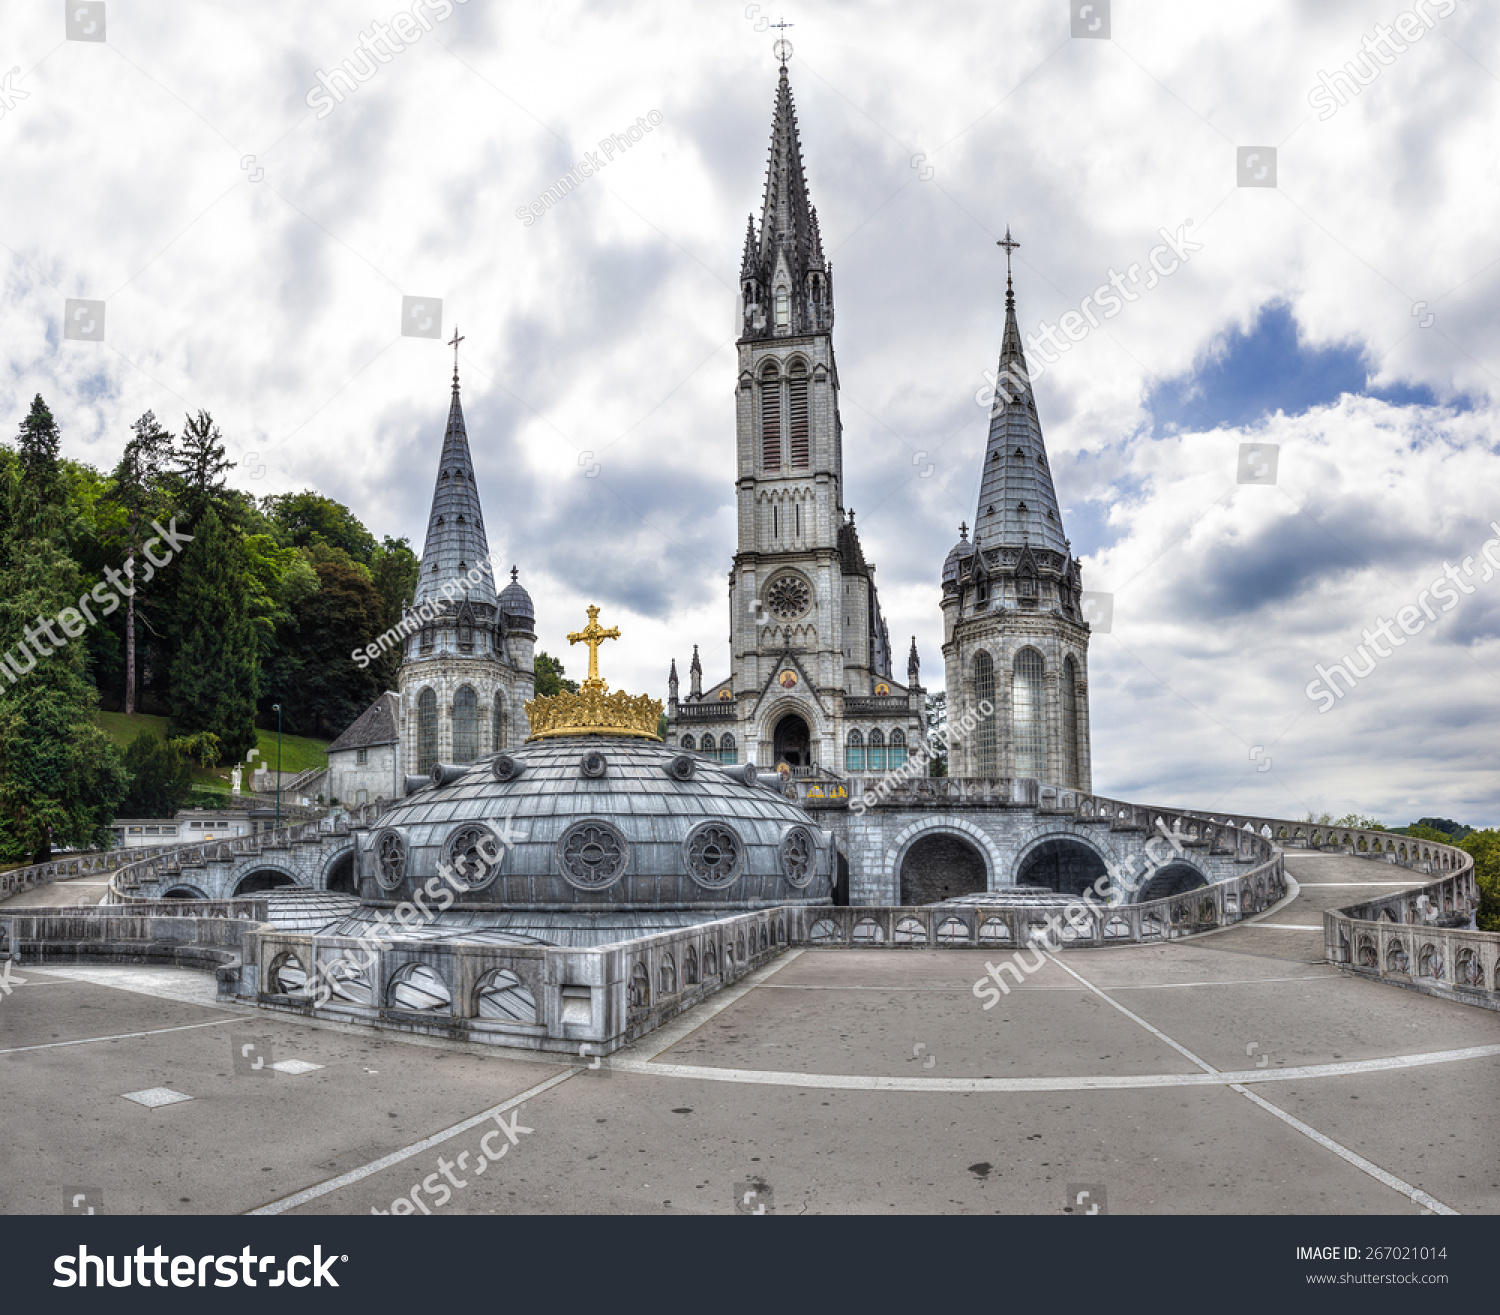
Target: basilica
x,y
811,688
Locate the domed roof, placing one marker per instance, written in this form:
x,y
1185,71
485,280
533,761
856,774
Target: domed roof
x,y
515,601
595,824
963,548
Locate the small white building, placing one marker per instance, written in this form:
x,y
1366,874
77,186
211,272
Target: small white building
x,y
364,762
188,826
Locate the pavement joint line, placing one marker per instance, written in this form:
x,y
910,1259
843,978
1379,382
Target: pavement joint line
x,y
1290,926
119,1036
1331,975
312,1193
1339,885
1236,1084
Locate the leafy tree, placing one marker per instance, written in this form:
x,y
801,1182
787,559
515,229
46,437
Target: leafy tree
x,y
549,676
1485,847
394,569
309,518
161,777
215,668
1418,832
1455,831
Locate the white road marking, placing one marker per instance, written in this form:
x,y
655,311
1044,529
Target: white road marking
x,y
1101,1082
416,1148
1238,1084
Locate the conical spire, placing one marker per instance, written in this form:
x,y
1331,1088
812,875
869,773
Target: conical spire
x,y
786,221
456,542
1017,502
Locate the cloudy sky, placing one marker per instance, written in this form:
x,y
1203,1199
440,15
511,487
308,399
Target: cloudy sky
x,y
252,247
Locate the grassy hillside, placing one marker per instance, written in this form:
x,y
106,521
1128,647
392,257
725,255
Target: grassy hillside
x,y
298,752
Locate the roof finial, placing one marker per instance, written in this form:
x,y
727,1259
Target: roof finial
x,y
453,343
783,48
1009,245
963,532
514,572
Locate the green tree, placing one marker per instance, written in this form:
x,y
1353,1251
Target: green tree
x,y
161,777
394,569
549,676
137,491
216,667
1485,847
200,464
309,518
60,777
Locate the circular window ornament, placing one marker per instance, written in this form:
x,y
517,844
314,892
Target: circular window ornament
x,y
592,855
798,857
506,768
787,680
714,855
390,859
475,856
593,764
788,597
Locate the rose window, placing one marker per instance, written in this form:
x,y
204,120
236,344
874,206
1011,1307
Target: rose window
x,y
789,597
592,855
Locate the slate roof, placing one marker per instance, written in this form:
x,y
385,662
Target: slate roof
x,y
455,526
375,725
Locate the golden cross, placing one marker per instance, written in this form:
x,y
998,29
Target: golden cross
x,y
593,635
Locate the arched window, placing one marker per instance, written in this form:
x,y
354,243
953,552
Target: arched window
x,y
728,752
897,753
426,641
783,308
465,629
984,697
797,419
1070,723
427,730
706,745
877,751
687,742
1027,714
497,724
465,725
854,752
770,418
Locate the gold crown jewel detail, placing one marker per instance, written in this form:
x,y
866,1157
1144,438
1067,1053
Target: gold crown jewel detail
x,y
594,711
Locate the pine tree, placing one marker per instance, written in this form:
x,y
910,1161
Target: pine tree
x,y
137,491
215,669
201,466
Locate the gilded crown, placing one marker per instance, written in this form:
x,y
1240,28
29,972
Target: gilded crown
x,y
593,711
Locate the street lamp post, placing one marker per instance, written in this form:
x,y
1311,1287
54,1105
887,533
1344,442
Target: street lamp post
x,y
276,708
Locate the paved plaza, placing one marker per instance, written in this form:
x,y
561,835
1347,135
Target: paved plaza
x,y
1228,1073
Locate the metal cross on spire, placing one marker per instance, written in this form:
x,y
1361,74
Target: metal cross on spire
x,y
453,343
1010,245
783,48
593,635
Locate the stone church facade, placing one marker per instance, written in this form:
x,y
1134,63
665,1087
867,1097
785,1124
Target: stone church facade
x,y
810,682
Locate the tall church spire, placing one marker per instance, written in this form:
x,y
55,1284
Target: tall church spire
x,y
1017,502
456,541
786,282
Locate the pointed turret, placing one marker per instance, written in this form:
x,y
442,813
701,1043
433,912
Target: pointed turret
x,y
456,541
695,676
1017,502
672,686
913,666
783,272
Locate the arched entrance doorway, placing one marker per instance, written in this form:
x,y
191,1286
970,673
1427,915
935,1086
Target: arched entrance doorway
x,y
265,879
1069,867
841,881
792,742
341,874
939,866
1174,879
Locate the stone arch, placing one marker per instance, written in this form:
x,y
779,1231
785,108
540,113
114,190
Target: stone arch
x,y
1064,861
895,854
807,709
939,866
1035,841
184,891
338,870
263,878
1174,878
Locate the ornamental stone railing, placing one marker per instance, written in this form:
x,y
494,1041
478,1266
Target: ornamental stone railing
x,y
125,885
715,710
